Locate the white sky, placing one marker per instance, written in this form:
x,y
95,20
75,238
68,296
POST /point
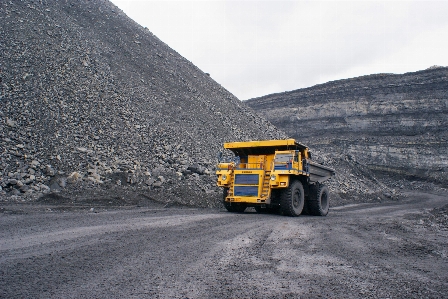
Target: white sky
x,y
255,48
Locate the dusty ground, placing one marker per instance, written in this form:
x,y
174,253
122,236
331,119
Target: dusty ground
x,y
380,250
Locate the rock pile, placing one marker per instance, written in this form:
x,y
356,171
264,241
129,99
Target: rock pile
x,y
385,122
91,100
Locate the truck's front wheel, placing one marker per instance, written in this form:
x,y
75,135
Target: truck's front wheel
x,y
292,199
235,208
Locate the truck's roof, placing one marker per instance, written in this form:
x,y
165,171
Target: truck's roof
x,y
260,147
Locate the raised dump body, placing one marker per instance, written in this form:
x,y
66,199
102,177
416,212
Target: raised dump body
x,y
273,175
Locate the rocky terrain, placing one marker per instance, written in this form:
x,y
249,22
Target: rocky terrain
x,y
91,101
106,134
394,125
95,107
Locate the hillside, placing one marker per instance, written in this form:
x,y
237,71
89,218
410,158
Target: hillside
x,y
392,123
90,100
94,107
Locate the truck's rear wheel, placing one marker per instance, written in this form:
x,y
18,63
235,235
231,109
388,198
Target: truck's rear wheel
x,y
292,199
235,208
319,201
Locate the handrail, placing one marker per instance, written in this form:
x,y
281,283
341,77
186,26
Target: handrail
x,y
249,166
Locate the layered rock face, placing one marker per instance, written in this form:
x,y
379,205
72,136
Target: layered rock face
x,y
90,99
388,122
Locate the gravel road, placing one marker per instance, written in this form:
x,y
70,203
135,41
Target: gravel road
x,y
388,250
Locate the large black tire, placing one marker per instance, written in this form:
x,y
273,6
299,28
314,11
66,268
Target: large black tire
x,y
292,199
318,203
235,207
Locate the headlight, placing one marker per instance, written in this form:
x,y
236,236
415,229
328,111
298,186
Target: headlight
x,y
273,177
224,177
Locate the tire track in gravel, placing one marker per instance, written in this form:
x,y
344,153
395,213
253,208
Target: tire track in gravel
x,y
368,251
20,242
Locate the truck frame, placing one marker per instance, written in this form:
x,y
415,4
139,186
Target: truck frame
x,y
273,176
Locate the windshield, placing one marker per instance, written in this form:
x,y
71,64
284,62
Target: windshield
x,y
283,158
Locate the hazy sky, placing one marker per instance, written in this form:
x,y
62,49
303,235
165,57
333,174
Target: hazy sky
x,y
254,48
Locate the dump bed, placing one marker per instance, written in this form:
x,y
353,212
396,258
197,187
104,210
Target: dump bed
x,y
319,173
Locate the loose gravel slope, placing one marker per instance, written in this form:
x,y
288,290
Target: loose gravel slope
x,y
89,99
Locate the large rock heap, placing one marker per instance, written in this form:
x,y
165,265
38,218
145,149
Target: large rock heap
x,y
91,100
386,122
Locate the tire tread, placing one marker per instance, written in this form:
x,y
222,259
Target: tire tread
x,y
314,204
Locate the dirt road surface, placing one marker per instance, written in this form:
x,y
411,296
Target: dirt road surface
x,y
388,250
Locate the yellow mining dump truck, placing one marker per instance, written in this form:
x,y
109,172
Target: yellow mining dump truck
x,y
273,176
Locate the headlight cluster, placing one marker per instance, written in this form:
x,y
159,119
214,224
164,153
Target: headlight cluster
x,y
224,177
273,177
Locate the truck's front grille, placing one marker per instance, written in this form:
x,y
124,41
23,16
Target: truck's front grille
x,y
251,185
245,191
246,179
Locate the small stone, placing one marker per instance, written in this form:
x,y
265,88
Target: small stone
x,y
95,176
157,184
45,188
55,187
387,194
15,192
10,122
62,182
73,177
49,170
